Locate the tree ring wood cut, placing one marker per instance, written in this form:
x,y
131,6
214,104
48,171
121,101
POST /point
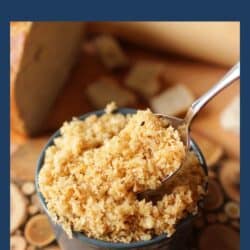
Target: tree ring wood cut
x,y
230,178
214,198
23,160
17,242
219,237
38,231
18,208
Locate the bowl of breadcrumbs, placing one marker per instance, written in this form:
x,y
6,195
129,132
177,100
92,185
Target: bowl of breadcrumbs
x,y
91,170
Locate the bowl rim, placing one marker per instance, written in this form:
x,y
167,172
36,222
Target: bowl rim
x,y
102,243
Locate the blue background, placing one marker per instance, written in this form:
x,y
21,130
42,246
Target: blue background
x,y
123,10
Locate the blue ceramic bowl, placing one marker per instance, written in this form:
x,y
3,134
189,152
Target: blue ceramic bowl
x,y
80,242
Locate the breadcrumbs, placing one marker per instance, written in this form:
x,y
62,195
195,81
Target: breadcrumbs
x,y
110,108
92,172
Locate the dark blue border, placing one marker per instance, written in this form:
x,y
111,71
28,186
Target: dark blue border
x,y
123,10
245,134
141,10
4,136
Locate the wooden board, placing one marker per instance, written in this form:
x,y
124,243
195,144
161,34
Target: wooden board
x,y
198,76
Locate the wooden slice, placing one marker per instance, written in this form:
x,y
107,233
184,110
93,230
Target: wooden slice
x,y
222,217
235,224
13,148
28,188
30,247
18,232
219,237
214,198
38,231
232,209
230,178
17,242
211,218
32,209
35,201
52,248
18,211
199,222
24,160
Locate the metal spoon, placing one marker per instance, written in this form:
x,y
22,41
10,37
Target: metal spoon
x,y
233,74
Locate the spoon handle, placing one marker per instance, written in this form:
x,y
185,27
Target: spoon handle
x,y
232,75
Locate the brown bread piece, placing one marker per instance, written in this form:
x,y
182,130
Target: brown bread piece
x,y
173,101
107,89
200,40
110,52
42,55
144,78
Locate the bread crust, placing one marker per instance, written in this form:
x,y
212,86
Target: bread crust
x,y
24,64
19,32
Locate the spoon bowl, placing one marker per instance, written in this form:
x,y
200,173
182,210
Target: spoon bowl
x,y
183,126
156,194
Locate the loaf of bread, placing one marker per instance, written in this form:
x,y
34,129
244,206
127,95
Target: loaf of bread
x,y
216,42
41,57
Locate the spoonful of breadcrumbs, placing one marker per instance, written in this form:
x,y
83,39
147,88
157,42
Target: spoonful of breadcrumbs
x,y
183,126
